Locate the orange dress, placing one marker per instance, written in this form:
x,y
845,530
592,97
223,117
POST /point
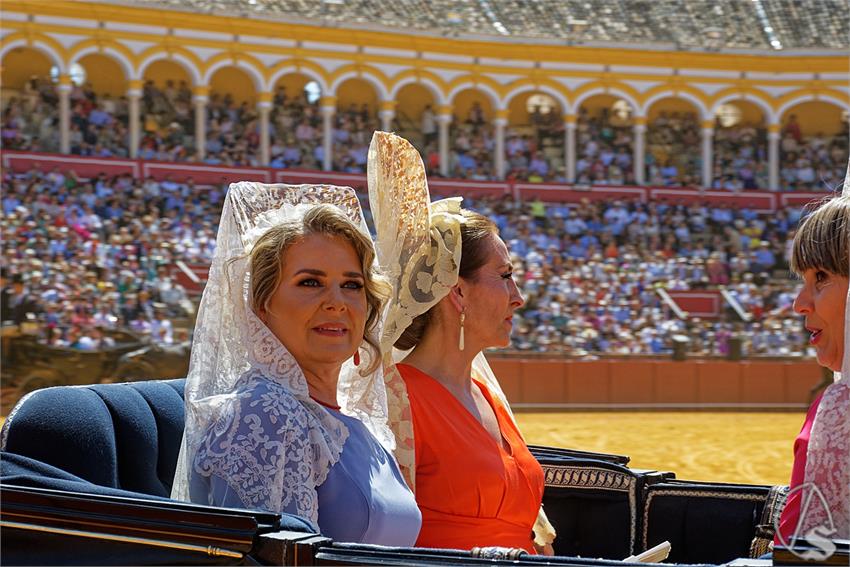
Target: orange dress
x,y
471,491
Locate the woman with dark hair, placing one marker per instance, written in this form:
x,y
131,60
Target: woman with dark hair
x,y
818,504
476,482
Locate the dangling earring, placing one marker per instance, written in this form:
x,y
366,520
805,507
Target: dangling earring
x,y
460,342
357,358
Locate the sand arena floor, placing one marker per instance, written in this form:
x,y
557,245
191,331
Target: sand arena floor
x,y
745,447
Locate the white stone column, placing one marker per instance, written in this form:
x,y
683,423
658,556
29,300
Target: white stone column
x,y
499,151
773,137
64,89
444,119
134,96
570,147
639,150
707,153
387,115
264,108
199,99
328,106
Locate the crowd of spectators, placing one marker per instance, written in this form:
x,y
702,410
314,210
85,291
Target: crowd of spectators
x,y
818,162
168,121
472,145
84,256
534,152
590,274
351,137
740,157
673,150
604,149
31,118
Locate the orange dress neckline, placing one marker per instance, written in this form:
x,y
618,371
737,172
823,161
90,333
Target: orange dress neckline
x,y
496,506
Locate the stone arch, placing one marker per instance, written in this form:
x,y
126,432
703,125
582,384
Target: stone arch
x,y
621,91
372,76
110,49
293,66
486,86
187,60
527,87
811,97
700,105
754,96
348,97
245,63
39,42
429,81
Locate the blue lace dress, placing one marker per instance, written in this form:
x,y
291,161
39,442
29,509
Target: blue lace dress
x,y
240,464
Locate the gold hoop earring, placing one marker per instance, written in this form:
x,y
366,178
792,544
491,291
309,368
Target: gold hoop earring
x,y
460,343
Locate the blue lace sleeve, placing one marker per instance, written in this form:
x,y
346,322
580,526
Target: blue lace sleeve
x,y
260,453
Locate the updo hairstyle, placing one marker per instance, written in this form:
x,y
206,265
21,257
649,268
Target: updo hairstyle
x,y
475,233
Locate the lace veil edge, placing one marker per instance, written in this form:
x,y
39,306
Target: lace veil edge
x,y
230,340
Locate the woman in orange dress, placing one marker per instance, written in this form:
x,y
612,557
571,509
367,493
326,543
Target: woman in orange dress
x,y
475,481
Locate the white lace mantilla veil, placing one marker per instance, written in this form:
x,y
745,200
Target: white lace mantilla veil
x,y
230,342
828,454
419,248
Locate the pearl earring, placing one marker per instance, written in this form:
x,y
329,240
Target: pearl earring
x,y
460,342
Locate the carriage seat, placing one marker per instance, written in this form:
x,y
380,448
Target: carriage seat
x,y
118,436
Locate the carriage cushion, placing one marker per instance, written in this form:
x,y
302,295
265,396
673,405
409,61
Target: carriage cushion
x,y
713,522
123,436
595,506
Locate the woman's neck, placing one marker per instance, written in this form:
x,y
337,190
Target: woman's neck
x,y
438,355
322,383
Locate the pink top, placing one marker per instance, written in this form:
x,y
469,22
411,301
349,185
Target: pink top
x,y
791,514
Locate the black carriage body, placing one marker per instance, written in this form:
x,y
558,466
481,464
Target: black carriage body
x,y
82,465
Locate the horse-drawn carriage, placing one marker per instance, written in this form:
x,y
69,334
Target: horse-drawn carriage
x,y
29,364
87,472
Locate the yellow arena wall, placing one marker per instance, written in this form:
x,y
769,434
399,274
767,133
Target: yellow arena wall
x,y
396,76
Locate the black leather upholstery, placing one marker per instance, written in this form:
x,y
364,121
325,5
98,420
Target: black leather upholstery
x,y
704,522
595,506
122,436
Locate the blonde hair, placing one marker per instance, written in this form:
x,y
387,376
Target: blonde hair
x,y
266,259
823,239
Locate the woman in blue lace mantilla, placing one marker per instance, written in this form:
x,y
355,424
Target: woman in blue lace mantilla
x,y
286,409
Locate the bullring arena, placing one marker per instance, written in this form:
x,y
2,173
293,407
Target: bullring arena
x,y
647,163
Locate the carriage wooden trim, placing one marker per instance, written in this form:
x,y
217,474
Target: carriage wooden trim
x,y
587,477
209,550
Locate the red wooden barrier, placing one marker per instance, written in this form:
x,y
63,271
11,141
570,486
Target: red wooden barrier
x,y
204,174
707,304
